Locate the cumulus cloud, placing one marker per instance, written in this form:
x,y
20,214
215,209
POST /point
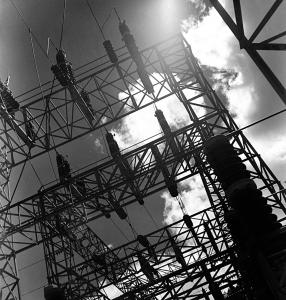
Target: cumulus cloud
x,y
193,196
199,10
250,96
243,90
138,127
215,46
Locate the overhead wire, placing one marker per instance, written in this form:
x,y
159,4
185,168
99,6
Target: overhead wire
x,y
39,179
63,23
106,20
40,86
29,28
61,38
259,121
49,129
132,228
180,202
31,264
48,46
94,17
117,14
33,290
36,65
37,175
32,35
119,229
151,217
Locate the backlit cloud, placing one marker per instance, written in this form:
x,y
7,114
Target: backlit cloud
x,y
250,96
247,99
138,127
193,196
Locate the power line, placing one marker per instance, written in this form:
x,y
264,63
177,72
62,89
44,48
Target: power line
x,y
33,290
31,264
261,120
29,28
63,23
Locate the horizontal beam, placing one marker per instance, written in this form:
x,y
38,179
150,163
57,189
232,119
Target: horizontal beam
x,y
270,46
113,91
61,234
250,48
147,176
197,251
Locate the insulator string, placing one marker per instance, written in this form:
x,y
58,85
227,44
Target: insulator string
x,y
132,228
181,204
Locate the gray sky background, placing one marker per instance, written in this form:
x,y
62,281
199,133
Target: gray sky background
x,y
250,98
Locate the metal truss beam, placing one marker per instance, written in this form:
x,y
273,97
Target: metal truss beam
x,y
58,116
74,252
73,241
203,253
9,279
29,213
250,46
114,91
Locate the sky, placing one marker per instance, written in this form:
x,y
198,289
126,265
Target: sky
x,y
249,97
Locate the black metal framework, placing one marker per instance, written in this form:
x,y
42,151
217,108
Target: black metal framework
x,y
172,280
250,45
58,215
57,119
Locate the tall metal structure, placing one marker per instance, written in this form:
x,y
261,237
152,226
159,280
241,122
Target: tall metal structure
x,y
256,41
200,257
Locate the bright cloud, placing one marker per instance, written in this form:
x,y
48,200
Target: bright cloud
x,y
193,196
211,41
214,45
250,96
138,127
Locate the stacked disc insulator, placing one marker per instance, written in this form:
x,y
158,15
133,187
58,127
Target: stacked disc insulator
x,y
250,211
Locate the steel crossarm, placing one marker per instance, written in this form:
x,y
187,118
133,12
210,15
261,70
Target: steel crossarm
x,y
172,278
56,119
78,285
28,213
79,240
60,116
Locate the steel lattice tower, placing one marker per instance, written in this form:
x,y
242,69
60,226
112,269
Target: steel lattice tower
x,y
197,258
